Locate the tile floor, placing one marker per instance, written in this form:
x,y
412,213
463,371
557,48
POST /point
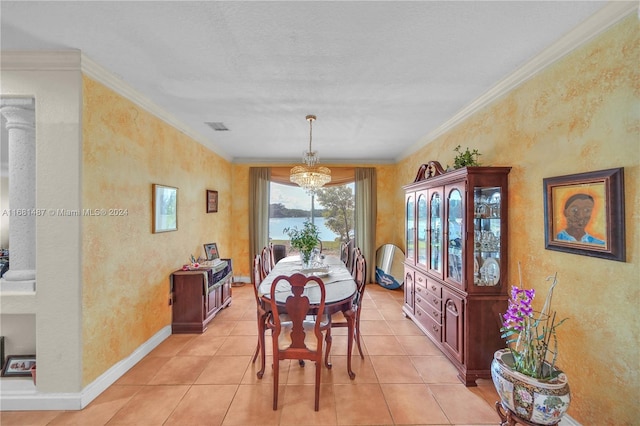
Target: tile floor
x,y
209,379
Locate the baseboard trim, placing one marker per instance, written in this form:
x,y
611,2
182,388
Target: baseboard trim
x,y
568,421
22,395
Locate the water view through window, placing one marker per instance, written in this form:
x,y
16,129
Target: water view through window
x,y
331,210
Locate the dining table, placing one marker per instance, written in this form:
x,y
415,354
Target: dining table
x,y
340,290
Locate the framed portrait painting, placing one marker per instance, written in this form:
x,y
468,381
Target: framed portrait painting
x,y
584,214
212,201
165,208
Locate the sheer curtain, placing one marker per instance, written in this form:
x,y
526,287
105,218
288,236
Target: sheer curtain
x,y
365,216
259,178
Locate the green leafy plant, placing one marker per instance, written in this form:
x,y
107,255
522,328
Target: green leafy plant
x,y
530,335
466,158
305,239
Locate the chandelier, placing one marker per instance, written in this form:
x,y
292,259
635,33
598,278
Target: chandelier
x,y
310,176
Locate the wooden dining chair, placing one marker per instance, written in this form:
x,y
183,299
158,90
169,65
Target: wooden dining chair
x,y
360,277
262,313
297,334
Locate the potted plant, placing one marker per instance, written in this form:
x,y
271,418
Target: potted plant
x,y
305,240
530,385
466,158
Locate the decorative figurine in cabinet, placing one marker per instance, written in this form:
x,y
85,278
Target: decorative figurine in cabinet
x,y
457,262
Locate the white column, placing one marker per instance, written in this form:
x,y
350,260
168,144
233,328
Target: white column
x,y
20,116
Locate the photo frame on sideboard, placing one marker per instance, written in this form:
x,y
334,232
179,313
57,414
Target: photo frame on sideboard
x,y
212,201
211,251
584,214
165,208
18,365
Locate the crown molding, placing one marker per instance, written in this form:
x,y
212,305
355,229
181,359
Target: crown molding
x,y
75,60
40,60
103,76
599,22
328,162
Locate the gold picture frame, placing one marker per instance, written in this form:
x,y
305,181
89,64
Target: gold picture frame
x,y
165,208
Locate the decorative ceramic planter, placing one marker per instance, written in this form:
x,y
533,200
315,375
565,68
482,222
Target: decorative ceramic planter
x,y
536,401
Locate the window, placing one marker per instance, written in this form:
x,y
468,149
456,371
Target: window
x,y
331,210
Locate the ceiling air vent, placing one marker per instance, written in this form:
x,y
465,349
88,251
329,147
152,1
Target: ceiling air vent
x,y
217,126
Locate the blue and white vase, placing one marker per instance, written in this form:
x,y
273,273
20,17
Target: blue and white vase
x,y
537,401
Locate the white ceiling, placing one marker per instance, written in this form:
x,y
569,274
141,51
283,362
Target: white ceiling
x,y
380,76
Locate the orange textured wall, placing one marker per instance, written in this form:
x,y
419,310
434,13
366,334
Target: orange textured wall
x,y
126,267
385,233
579,115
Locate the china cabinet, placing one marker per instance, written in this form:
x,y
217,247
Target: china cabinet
x,y
456,262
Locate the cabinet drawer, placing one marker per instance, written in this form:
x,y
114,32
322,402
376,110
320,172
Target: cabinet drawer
x,y
433,311
434,288
429,300
421,280
430,325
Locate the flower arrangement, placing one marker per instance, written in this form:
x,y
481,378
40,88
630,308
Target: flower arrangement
x,y
305,239
530,335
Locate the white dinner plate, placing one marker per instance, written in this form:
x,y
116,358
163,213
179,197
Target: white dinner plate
x,y
492,267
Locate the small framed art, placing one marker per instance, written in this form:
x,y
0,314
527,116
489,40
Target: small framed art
x,y
584,214
165,208
212,201
18,365
211,250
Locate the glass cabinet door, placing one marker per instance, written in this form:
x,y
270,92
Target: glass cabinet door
x,y
487,232
421,233
455,238
410,226
435,233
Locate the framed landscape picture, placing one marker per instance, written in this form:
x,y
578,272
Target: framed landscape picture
x,y
165,208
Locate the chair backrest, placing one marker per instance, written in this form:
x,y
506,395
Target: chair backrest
x,y
354,255
360,271
350,245
344,252
297,307
258,275
278,252
267,260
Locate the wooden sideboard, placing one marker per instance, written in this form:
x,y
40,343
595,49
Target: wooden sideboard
x,y
198,295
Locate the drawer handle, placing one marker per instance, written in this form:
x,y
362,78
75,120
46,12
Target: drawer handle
x,y
418,300
434,288
435,329
420,279
419,313
435,301
436,314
